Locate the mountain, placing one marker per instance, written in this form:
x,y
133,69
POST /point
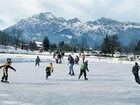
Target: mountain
x,y
90,34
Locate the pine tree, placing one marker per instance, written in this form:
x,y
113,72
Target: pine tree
x,y
61,45
137,49
115,44
4,40
46,44
110,44
106,48
32,45
53,47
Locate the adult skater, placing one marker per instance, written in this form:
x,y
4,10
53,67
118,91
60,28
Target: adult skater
x,y
37,61
49,70
83,57
83,68
6,66
71,63
77,60
135,71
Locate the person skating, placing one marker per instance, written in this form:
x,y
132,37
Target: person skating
x,y
59,58
6,66
37,61
49,70
71,63
135,71
83,57
83,68
77,60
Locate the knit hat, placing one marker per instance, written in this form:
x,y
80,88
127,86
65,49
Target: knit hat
x,y
9,60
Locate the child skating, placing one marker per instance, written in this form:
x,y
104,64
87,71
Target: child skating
x,y
83,68
49,70
5,67
37,61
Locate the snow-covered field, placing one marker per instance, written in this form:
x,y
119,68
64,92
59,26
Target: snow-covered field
x,y
110,83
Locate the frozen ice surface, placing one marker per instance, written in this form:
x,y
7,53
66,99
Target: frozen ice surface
x,y
108,84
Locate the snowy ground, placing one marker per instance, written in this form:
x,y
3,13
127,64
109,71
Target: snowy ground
x,y
110,83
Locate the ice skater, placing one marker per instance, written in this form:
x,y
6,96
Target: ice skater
x,y
135,71
83,57
77,60
6,66
37,61
83,68
49,70
71,63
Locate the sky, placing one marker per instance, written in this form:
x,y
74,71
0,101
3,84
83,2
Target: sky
x,y
86,10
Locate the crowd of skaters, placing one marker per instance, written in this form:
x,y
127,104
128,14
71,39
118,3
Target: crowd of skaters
x,y
58,56
71,61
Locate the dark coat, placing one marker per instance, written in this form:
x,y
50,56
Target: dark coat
x,y
71,60
6,66
135,69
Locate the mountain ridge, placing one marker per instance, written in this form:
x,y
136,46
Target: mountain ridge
x,y
93,32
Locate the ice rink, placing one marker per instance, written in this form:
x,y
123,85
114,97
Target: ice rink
x,y
108,84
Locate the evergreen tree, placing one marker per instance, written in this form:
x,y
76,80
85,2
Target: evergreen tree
x,y
4,39
137,49
53,47
115,44
61,45
110,44
106,48
46,44
32,45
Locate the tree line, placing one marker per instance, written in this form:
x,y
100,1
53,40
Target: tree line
x,y
109,46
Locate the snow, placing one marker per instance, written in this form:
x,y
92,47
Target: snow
x,y
10,49
131,26
110,83
68,36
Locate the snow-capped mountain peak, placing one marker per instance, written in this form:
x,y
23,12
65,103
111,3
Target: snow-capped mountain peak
x,y
47,15
74,20
106,21
92,32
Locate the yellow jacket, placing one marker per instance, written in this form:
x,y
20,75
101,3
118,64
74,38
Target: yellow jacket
x,y
51,67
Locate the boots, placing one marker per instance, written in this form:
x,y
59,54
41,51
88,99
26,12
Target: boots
x,y
6,81
72,74
86,78
2,81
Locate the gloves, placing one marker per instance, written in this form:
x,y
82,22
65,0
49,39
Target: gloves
x,y
88,70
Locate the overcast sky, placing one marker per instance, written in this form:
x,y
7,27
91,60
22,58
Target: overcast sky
x,y
12,11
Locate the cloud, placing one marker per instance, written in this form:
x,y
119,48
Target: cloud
x,y
122,10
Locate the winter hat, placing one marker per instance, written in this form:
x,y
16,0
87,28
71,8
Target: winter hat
x,y
136,63
9,60
86,61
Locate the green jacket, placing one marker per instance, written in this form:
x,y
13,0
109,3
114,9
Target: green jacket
x,y
84,66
